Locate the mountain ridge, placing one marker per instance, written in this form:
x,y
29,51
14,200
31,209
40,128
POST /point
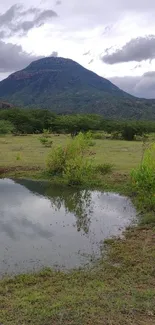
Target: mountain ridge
x,y
64,86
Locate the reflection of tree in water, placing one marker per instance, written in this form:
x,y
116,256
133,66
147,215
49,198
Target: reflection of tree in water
x,y
76,201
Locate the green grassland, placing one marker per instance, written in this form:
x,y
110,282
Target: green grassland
x,y
28,152
119,289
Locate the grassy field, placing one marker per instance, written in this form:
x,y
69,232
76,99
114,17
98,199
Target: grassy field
x,y
118,290
28,152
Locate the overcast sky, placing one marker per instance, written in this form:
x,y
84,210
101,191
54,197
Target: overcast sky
x,y
114,38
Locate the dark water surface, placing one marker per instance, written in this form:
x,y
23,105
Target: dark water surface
x,y
43,225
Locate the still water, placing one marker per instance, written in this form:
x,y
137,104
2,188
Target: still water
x,y
43,225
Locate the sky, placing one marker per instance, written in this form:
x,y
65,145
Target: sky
x,y
114,38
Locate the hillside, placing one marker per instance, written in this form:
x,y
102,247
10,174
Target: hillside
x,y
4,105
64,86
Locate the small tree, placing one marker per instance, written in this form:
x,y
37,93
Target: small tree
x,y
128,133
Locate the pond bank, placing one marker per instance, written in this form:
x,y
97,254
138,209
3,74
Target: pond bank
x,y
117,290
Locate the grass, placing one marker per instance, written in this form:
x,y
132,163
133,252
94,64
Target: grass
x,y
28,153
118,289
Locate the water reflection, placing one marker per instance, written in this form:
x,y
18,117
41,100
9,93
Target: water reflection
x,y
76,201
44,225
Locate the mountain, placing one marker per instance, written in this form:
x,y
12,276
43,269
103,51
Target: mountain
x,y
64,86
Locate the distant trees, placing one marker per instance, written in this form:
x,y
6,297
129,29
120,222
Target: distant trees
x,y
27,121
6,127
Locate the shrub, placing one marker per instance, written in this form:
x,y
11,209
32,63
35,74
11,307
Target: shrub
x,y
6,127
100,135
104,168
46,142
45,139
73,161
116,135
143,178
88,139
77,170
56,160
46,133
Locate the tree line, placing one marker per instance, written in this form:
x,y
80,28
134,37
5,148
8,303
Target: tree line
x,y
35,121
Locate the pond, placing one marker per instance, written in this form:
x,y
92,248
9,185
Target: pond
x,y
43,225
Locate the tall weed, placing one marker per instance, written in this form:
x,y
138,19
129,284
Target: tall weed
x,y
143,178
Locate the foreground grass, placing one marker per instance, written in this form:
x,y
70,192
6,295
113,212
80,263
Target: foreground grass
x,y
118,290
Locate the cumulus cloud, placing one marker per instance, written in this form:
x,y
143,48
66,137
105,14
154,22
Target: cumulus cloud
x,y
12,57
17,20
140,86
54,54
138,49
9,15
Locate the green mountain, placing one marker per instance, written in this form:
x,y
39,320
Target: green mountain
x,y
64,86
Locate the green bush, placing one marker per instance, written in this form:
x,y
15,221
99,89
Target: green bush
x,y
6,127
144,138
77,170
56,160
116,135
45,139
89,139
143,179
100,135
104,169
46,133
72,161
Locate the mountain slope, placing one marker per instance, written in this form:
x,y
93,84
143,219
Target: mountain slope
x,y
64,86
4,105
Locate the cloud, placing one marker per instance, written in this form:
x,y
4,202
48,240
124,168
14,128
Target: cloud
x,y
39,20
12,57
10,14
17,20
140,86
54,54
138,49
58,3
2,34
87,53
